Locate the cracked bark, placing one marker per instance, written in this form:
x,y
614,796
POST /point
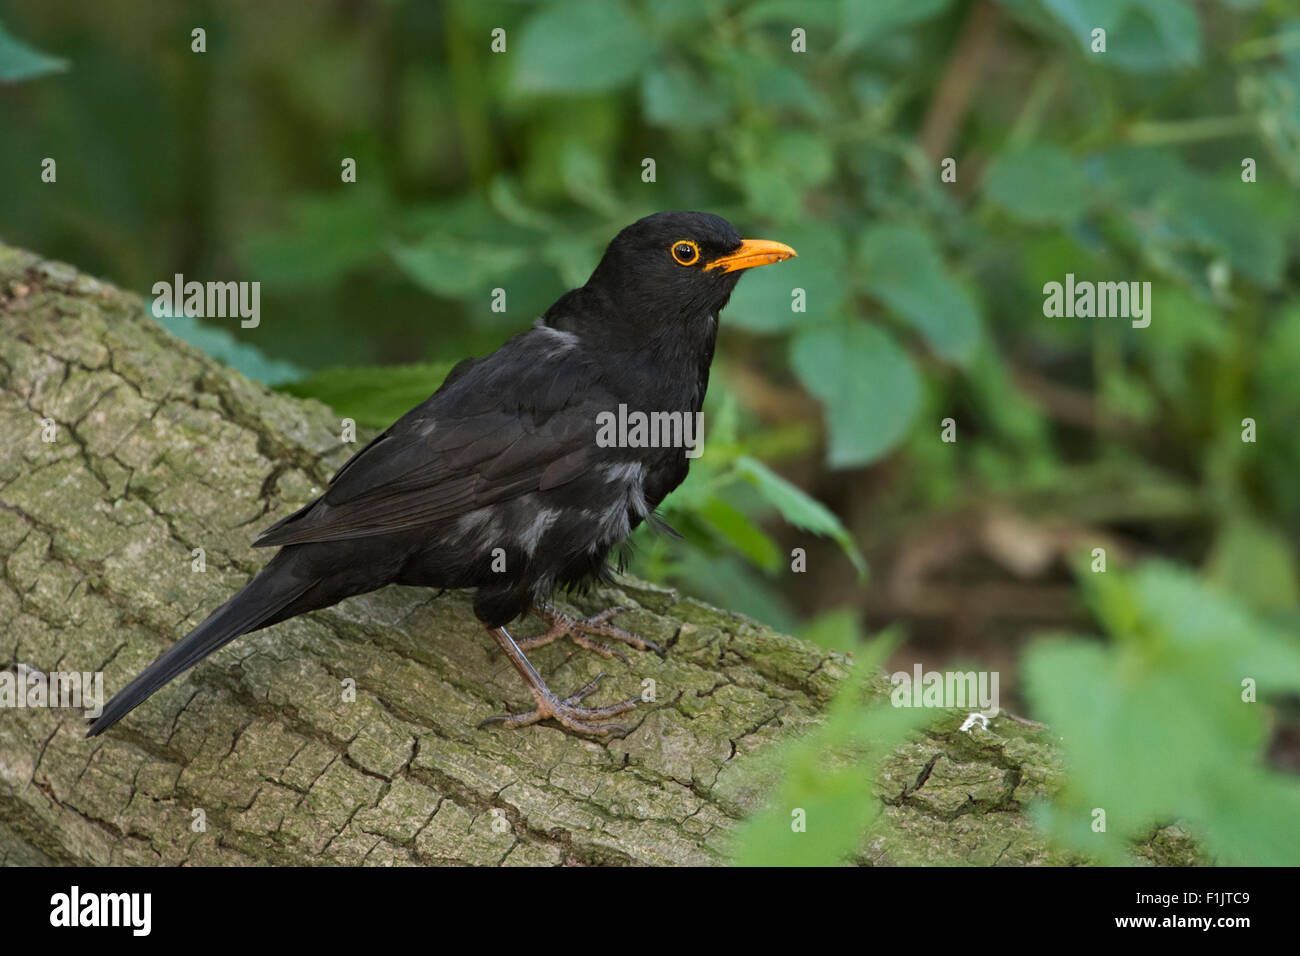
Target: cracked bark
x,y
159,451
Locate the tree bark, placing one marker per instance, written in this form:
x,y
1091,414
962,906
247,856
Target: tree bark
x,y
257,755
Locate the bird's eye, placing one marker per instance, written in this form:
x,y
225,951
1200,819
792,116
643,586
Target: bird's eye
x,y
686,252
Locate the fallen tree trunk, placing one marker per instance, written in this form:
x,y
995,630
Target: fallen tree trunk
x,y
260,756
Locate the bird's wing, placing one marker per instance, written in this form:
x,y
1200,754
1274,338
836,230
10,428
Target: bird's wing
x,y
520,420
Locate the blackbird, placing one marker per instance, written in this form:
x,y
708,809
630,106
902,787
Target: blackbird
x,y
497,481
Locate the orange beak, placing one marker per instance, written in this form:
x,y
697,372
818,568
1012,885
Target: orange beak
x,y
752,252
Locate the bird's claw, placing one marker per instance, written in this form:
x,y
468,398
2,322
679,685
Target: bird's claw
x,y
580,631
567,713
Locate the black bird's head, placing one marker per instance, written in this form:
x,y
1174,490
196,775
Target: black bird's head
x,y
675,267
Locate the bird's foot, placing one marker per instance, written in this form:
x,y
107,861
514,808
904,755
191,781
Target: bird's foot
x,y
566,712
583,632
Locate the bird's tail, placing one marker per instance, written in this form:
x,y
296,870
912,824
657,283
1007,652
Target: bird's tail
x,y
271,591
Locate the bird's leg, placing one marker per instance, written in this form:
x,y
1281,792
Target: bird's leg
x,y
581,631
583,720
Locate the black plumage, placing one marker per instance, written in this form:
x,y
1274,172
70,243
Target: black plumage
x,y
504,456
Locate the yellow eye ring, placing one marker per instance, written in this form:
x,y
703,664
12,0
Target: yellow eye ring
x,y
685,252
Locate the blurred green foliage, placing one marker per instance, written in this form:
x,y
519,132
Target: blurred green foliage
x,y
480,170
374,396
18,61
823,802
1165,723
715,509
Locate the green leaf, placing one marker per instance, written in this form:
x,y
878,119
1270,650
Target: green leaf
x,y
1141,35
1255,562
784,12
18,61
373,396
1217,218
225,348
775,171
330,236
676,97
585,179
727,580
903,269
734,527
865,20
1280,357
1038,184
1081,17
798,507
869,387
1200,622
508,202
1181,220
838,630
803,156
455,267
758,78
1159,35
1157,726
581,46
1273,98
